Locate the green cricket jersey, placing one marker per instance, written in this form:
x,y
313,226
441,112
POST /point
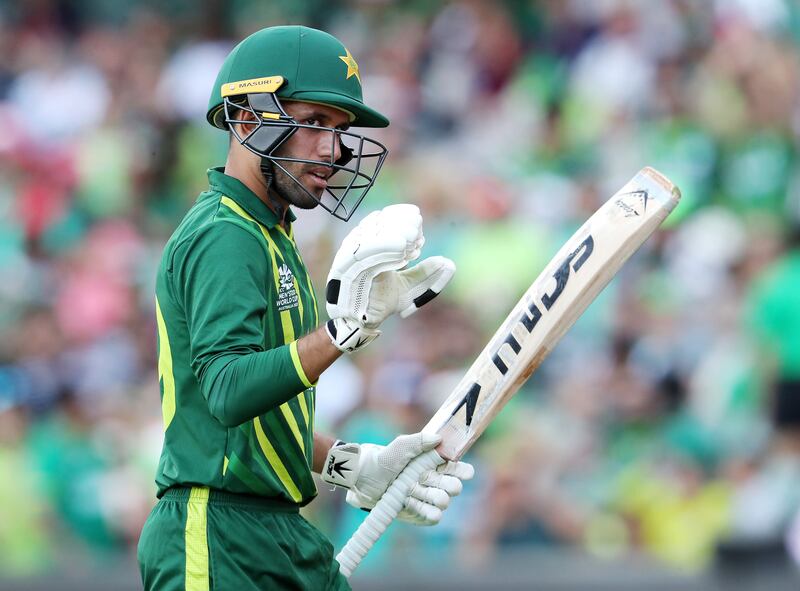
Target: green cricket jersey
x,y
232,298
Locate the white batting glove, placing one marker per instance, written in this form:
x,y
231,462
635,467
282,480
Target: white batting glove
x,y
365,285
367,470
384,240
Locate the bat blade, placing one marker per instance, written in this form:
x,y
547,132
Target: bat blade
x,y
550,306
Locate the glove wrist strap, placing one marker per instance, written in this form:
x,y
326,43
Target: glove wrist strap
x,y
341,464
347,336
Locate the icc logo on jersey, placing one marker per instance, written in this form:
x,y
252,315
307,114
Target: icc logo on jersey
x,y
287,294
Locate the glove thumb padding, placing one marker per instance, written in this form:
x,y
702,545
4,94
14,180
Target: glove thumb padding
x,y
406,291
424,282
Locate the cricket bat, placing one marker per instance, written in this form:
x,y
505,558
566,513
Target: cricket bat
x,y
550,306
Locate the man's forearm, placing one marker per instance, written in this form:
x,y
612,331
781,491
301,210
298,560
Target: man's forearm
x,y
316,353
322,444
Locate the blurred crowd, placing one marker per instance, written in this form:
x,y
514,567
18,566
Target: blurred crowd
x,y
666,423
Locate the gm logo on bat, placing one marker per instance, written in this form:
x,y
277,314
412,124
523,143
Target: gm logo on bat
x,y
529,319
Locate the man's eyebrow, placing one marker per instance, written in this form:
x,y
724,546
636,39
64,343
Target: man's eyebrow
x,y
314,114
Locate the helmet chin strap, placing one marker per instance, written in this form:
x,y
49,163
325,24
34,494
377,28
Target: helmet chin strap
x,y
266,172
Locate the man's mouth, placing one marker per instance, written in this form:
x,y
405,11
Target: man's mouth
x,y
320,176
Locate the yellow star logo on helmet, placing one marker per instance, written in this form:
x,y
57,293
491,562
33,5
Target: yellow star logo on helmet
x,y
352,66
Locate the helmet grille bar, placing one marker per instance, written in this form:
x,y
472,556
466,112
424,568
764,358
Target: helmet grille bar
x,y
267,135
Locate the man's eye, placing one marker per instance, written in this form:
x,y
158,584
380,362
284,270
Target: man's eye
x,y
312,121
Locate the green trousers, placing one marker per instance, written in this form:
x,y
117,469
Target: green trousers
x,y
197,539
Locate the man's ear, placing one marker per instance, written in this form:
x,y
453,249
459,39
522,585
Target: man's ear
x,y
244,129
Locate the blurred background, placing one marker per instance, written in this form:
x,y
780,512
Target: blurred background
x,y
659,445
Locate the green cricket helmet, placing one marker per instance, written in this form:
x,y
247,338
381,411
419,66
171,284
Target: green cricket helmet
x,y
300,64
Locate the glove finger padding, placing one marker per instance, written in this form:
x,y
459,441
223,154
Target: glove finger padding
x,y
406,291
461,470
407,217
419,513
449,484
431,495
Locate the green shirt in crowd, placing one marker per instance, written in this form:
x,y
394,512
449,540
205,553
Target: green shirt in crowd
x,y
232,298
774,313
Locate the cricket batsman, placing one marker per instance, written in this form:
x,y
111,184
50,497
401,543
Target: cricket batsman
x,y
240,344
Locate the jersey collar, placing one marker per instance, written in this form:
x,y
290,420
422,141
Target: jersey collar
x,y
249,201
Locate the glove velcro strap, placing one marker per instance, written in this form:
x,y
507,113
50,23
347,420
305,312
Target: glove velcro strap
x,y
348,336
426,297
341,465
332,291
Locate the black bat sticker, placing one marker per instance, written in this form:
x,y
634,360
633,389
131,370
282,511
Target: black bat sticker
x,y
529,319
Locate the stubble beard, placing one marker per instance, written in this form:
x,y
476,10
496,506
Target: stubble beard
x,y
290,190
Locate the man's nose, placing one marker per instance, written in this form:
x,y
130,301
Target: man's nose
x,y
330,147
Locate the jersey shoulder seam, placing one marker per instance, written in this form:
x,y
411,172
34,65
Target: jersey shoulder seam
x,y
243,223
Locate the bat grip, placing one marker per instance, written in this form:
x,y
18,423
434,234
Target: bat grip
x,y
384,512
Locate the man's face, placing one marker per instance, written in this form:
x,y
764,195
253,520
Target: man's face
x,y
308,144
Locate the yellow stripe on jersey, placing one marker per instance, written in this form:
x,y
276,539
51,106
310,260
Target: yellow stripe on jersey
x,y
165,370
304,406
286,325
196,540
310,287
290,420
313,298
288,333
286,319
305,379
288,336
316,313
290,235
225,465
231,204
286,315
299,299
275,461
297,365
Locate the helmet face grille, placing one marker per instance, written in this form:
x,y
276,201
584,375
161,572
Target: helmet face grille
x,y
353,173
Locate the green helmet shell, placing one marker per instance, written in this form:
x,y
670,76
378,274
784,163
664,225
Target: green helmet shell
x,y
297,63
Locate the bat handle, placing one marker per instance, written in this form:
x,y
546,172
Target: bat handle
x,y
384,512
